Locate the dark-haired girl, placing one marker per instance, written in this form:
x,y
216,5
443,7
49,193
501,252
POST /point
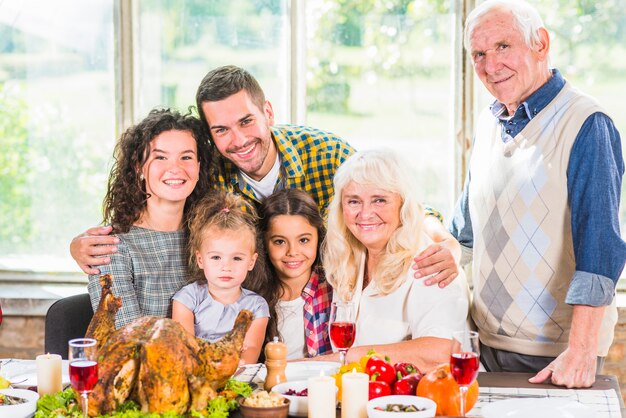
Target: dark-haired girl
x,y
296,290
161,167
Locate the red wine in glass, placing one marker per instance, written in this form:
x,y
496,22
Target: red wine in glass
x,y
83,375
342,327
464,367
83,368
464,361
342,334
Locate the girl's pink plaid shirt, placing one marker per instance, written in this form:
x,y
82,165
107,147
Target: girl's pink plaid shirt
x,y
317,295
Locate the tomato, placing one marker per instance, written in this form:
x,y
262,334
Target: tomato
x,y
382,368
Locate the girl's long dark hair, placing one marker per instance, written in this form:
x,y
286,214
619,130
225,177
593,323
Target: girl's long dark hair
x,y
126,196
285,202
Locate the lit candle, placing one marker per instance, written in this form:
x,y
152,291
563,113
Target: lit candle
x,y
354,387
48,374
322,392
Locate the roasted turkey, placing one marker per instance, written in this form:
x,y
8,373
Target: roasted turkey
x,y
156,363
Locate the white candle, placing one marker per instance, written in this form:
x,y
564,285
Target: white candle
x,y
48,374
322,392
354,395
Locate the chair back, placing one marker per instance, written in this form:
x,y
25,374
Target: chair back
x,y
67,318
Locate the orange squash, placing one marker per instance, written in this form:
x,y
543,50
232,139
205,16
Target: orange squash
x,y
440,386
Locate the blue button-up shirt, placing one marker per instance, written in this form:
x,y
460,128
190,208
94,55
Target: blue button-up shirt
x,y
594,180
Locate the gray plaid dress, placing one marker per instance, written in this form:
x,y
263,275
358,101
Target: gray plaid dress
x,y
148,268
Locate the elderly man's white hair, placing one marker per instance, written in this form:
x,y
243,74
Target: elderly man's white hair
x,y
525,17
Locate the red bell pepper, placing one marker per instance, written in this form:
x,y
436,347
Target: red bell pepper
x,y
406,385
378,388
382,367
405,368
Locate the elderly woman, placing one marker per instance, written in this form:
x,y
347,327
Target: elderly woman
x,y
375,229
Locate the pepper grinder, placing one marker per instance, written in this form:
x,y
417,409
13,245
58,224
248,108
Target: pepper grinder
x,y
275,363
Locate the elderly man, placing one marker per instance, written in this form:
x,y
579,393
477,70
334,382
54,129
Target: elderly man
x,y
256,158
539,210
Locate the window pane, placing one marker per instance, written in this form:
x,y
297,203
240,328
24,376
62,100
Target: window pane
x,y
379,74
56,126
179,41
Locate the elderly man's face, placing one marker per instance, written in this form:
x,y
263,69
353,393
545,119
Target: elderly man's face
x,y
509,69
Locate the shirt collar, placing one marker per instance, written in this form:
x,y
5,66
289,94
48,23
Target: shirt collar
x,y
311,287
536,101
288,154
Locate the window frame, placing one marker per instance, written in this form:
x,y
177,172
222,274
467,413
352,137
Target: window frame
x,y
125,15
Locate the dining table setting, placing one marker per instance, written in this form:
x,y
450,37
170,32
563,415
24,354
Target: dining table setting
x,y
154,365
603,399
500,394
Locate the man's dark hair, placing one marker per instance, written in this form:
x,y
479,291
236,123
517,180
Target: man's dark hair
x,y
225,81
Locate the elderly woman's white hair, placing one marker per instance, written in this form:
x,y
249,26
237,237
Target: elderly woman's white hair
x,y
525,17
381,169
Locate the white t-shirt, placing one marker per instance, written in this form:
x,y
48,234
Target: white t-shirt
x,y
413,310
265,186
290,322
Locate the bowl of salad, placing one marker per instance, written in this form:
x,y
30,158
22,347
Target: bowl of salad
x,y
17,403
401,406
297,393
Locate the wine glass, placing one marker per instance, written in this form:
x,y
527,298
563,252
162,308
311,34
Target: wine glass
x,y
342,327
464,361
83,368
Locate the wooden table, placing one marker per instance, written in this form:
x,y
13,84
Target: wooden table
x,y
520,380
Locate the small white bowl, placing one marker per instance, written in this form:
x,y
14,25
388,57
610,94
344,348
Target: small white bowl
x,y
429,406
22,410
299,406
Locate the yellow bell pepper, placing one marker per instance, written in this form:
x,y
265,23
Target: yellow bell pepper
x,y
4,383
355,365
363,360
